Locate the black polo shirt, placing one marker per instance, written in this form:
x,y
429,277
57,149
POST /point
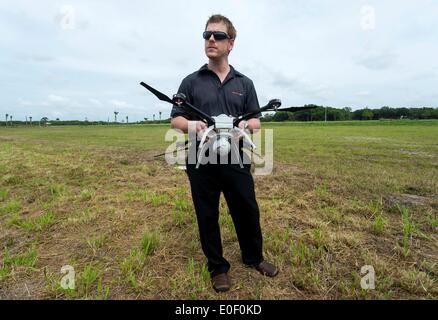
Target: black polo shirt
x,y
203,89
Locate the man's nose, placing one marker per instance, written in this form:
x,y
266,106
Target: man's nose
x,y
211,38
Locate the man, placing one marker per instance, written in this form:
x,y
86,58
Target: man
x,y
217,88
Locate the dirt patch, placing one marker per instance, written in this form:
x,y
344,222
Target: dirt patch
x,y
6,139
407,199
417,153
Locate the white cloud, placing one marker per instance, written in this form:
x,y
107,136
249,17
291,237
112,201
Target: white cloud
x,y
96,102
119,104
52,98
377,60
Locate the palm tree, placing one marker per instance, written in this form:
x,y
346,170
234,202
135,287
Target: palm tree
x,y
160,115
10,117
126,119
44,120
30,120
7,115
145,119
115,115
154,116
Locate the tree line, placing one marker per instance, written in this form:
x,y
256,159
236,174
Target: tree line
x,y
322,113
47,122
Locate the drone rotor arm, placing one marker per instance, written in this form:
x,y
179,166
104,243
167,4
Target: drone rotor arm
x,y
190,108
202,115
271,106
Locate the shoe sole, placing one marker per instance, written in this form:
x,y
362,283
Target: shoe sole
x,y
269,275
221,289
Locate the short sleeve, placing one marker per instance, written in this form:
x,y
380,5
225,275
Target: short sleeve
x,y
178,110
252,103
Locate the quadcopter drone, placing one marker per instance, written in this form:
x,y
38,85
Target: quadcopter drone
x,y
222,129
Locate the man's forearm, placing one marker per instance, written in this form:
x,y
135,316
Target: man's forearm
x,y
180,123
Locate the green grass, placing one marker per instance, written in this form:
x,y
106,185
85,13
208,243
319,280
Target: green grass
x,y
341,195
149,242
57,189
159,199
183,214
318,237
96,242
3,194
86,195
88,284
198,278
32,224
11,207
12,261
84,216
132,265
379,224
138,195
432,220
408,229
302,254
88,278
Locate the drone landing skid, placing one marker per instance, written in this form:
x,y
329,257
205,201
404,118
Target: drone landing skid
x,y
204,147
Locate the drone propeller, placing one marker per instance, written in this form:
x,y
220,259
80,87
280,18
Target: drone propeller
x,y
273,105
157,93
296,109
180,99
176,150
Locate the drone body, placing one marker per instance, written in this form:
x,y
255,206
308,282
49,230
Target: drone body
x,y
222,138
222,146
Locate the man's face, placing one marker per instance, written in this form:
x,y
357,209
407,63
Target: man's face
x,y
217,49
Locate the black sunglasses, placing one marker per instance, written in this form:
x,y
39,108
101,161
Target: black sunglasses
x,y
218,35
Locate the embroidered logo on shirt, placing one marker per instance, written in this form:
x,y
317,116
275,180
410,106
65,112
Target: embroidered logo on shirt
x,y
237,92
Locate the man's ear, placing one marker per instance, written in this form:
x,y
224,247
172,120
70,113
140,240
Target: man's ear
x,y
231,45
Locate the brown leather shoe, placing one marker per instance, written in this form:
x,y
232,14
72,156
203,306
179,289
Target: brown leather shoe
x,y
221,282
267,269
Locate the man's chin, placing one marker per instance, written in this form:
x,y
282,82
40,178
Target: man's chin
x,y
211,55
214,56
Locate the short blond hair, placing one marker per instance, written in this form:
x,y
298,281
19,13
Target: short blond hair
x,y
216,18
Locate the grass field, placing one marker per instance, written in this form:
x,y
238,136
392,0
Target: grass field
x,y
341,196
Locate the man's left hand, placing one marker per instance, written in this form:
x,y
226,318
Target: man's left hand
x,y
243,124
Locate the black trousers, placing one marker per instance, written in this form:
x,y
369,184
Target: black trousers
x,y
207,182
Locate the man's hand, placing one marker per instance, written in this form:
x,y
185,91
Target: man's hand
x,y
243,124
199,126
185,125
251,125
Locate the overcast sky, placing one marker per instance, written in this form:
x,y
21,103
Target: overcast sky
x,y
82,59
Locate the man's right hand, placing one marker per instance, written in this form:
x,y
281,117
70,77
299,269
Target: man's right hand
x,y
184,125
199,126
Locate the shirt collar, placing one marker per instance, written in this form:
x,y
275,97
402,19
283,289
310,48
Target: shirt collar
x,y
233,72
